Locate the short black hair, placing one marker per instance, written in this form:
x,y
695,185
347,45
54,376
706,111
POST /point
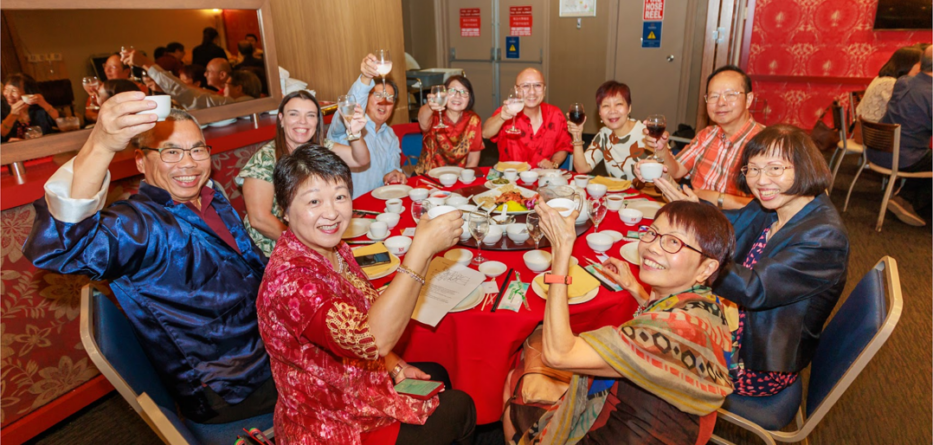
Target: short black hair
x,y
745,79
174,46
208,35
811,174
253,36
466,83
195,72
245,48
251,84
715,235
306,162
901,62
159,52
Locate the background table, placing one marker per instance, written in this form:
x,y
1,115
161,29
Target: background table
x,y
478,347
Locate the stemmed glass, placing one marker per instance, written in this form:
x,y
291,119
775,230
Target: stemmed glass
x,y
597,210
132,73
383,65
479,226
91,84
533,223
347,106
576,114
656,124
439,98
419,209
516,103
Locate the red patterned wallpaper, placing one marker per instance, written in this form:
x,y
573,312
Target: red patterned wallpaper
x,y
816,38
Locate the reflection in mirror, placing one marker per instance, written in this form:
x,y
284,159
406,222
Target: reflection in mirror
x,y
201,57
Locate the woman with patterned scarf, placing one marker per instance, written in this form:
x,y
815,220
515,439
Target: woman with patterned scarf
x,y
659,377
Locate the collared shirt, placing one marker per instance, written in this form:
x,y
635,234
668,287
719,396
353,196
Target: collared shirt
x,y
910,106
208,213
190,297
385,153
713,159
534,146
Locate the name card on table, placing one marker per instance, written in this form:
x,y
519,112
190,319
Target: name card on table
x,y
445,285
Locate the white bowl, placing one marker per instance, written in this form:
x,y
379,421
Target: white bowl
x,y
467,208
493,235
457,200
616,236
630,216
537,260
599,242
440,194
398,245
391,219
440,210
437,201
614,202
563,203
466,231
448,179
596,190
418,195
493,269
518,233
528,177
461,256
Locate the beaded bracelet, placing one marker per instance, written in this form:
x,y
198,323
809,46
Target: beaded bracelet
x,y
414,275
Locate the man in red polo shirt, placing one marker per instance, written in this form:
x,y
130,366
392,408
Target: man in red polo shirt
x,y
544,141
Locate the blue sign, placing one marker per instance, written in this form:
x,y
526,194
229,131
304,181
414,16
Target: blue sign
x,y
651,35
512,49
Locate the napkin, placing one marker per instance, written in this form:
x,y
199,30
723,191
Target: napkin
x,y
512,298
612,184
582,284
378,269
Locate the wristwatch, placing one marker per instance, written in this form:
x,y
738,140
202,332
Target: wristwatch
x,y
353,137
550,278
719,201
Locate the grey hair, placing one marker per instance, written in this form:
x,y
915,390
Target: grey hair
x,y
174,115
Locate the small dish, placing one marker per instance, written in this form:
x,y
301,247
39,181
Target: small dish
x,y
616,236
461,256
386,210
370,236
493,269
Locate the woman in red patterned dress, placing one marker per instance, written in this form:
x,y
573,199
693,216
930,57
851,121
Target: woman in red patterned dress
x,y
330,335
461,142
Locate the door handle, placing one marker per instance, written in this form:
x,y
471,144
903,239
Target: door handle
x,y
670,58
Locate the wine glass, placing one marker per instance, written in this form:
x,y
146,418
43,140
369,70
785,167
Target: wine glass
x,y
656,124
576,114
516,103
419,209
132,72
347,106
597,210
533,223
90,85
383,65
440,98
479,226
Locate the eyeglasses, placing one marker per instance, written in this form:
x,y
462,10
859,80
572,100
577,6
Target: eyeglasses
x,y
388,97
171,155
462,93
729,95
669,243
538,86
773,171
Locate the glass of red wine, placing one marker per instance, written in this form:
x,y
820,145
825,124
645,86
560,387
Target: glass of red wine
x,y
576,114
656,124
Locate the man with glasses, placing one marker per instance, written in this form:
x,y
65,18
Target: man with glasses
x,y
177,256
712,158
544,141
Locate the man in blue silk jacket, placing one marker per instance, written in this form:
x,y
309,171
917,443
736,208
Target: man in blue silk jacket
x,y
177,256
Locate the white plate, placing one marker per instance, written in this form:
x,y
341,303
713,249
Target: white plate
x,y
372,237
357,227
461,256
518,166
391,192
222,123
493,269
649,209
496,192
616,236
581,299
393,260
629,253
437,172
386,210
471,301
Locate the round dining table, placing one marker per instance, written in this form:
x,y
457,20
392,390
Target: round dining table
x,y
478,347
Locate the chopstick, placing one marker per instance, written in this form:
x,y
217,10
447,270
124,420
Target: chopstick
x,y
505,284
431,180
599,267
365,212
361,242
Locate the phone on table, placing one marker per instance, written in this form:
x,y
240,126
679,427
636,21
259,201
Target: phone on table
x,y
419,389
372,260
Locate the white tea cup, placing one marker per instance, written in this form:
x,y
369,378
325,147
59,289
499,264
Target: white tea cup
x,y
467,175
440,210
614,202
563,205
651,170
418,195
163,106
511,174
394,205
581,180
378,229
528,177
391,219
398,245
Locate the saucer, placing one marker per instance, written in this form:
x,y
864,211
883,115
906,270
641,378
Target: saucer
x,y
386,210
370,236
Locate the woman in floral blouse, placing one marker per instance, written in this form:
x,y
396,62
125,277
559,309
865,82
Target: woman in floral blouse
x,y
620,143
461,142
330,335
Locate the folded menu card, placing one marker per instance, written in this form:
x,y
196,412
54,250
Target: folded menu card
x,y
583,283
445,285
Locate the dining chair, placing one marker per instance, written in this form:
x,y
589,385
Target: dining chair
x,y
853,336
884,138
846,145
111,342
410,140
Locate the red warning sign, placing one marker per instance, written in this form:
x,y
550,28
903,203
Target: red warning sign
x,y
654,10
469,22
519,20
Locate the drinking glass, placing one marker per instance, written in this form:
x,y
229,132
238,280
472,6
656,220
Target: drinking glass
x,y
516,103
33,132
347,106
383,65
419,209
656,124
91,84
440,98
576,114
533,223
479,226
132,73
597,210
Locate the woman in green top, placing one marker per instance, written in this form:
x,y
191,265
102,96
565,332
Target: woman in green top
x,y
299,121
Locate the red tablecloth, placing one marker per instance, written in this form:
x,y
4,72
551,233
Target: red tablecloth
x,y
477,347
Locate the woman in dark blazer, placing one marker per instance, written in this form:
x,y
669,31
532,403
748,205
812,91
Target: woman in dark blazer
x,y
791,256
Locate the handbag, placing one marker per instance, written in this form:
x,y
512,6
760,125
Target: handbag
x,y
823,136
538,383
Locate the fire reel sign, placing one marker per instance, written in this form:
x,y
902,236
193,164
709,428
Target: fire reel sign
x,y
519,20
469,22
654,10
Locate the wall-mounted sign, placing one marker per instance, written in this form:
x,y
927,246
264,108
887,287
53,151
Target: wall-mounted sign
x,y
651,35
469,22
519,20
654,10
578,8
512,48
